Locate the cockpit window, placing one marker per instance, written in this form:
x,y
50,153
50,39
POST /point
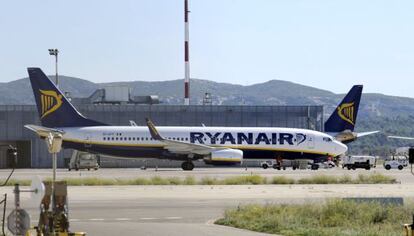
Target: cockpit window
x,y
326,139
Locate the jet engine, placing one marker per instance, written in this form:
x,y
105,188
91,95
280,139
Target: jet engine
x,y
227,155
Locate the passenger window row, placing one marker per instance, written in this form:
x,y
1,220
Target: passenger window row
x,y
139,139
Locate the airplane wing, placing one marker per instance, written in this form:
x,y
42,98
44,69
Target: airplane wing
x,y
401,137
179,146
43,131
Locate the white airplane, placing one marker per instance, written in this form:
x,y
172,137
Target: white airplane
x,y
214,145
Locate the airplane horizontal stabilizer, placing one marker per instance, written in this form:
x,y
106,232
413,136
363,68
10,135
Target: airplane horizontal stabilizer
x,y
43,131
349,136
367,133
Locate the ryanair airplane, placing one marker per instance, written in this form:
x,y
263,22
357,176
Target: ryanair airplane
x,y
342,122
214,145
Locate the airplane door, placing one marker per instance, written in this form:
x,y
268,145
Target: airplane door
x,y
311,141
88,140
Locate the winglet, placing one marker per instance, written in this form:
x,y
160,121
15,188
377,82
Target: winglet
x,y
153,131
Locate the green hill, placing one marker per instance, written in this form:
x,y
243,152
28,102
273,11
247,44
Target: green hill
x,y
390,114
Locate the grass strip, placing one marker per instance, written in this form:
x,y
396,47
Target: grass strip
x,y
335,217
235,180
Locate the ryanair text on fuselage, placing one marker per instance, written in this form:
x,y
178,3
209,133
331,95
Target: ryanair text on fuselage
x,y
247,138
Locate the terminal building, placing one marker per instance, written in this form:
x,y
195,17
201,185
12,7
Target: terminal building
x,y
32,151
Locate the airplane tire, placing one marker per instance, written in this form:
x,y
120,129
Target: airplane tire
x,y
264,166
187,165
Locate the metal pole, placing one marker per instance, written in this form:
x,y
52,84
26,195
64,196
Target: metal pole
x,y
186,56
412,171
16,204
4,213
16,196
54,159
56,68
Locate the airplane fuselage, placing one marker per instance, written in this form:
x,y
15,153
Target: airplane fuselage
x,y
256,143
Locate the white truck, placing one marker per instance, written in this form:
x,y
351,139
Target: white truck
x,y
396,162
83,160
354,162
295,164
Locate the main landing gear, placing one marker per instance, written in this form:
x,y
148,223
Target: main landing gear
x,y
187,165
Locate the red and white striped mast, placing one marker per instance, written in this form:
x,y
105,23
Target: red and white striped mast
x,y
186,56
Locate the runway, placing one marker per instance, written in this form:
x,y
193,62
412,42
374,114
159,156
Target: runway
x,y
190,210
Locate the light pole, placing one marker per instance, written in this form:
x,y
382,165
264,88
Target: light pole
x,y
55,52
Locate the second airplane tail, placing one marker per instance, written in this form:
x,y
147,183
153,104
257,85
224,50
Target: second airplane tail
x,y
344,116
53,107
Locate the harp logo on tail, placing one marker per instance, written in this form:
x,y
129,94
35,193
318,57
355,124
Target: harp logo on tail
x,y
346,112
50,102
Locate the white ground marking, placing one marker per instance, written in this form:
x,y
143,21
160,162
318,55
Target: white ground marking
x,y
123,219
148,218
173,217
96,219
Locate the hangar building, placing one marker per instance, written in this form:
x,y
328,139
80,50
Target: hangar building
x,y
33,151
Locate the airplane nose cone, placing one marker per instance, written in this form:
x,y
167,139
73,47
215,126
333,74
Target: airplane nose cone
x,y
340,148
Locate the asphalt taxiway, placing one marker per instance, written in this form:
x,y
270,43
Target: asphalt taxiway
x,y
191,210
403,176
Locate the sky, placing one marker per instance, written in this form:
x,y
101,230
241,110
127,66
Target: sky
x,y
327,44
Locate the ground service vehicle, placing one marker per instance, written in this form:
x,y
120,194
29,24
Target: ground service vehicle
x,y
83,160
395,163
354,162
295,164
